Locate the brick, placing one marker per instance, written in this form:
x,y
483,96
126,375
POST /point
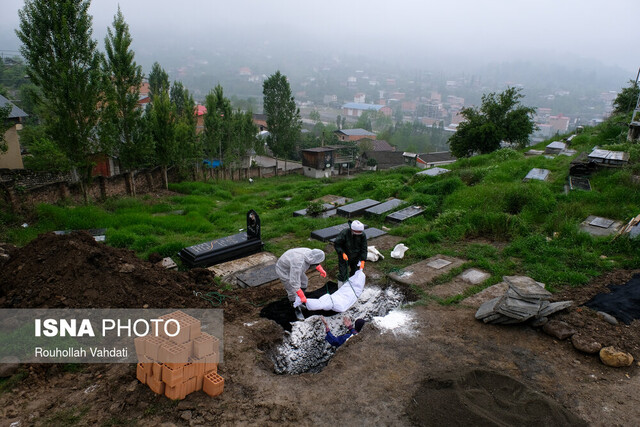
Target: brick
x,y
173,353
155,385
205,344
189,370
190,386
140,347
213,384
152,345
198,366
140,374
156,371
171,376
147,368
199,381
195,330
176,392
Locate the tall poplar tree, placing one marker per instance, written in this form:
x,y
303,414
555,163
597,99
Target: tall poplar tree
x,y
283,117
63,61
122,117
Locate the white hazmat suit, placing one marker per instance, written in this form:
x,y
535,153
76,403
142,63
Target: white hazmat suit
x,y
292,266
342,299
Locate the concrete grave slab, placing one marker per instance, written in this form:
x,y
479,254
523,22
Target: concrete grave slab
x,y
537,174
334,200
357,208
439,263
384,207
602,222
455,287
329,210
229,268
422,273
485,295
474,276
599,228
533,152
579,183
405,214
435,171
257,276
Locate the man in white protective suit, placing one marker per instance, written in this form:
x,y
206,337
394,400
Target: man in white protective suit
x,y
341,300
291,269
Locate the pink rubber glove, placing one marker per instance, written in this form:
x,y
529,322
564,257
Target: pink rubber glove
x,y
321,270
345,257
361,265
302,296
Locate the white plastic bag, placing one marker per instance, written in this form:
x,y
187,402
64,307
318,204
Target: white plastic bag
x,y
373,254
398,251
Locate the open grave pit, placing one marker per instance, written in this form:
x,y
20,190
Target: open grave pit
x,y
303,347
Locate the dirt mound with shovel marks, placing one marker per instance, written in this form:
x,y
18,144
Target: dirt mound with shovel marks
x,y
75,271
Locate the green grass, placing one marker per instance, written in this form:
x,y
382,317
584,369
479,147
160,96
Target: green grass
x,y
480,206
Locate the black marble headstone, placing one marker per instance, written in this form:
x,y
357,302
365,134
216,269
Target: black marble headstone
x,y
226,248
257,276
384,207
405,214
357,208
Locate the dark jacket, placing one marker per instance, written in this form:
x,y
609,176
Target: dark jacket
x,y
355,246
339,340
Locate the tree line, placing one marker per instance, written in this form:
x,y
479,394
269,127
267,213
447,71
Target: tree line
x,y
87,102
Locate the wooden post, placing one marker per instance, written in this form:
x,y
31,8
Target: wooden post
x,y
103,187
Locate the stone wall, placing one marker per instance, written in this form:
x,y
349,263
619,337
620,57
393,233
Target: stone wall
x,y
23,188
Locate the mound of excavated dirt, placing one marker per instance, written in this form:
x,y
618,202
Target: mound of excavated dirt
x,y
485,398
75,271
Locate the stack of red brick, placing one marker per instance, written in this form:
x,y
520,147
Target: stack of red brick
x,y
179,365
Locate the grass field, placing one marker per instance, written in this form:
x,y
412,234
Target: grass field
x,y
481,211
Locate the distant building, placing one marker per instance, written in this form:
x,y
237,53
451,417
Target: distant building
x,y
201,110
355,109
318,162
559,124
354,134
329,99
384,159
359,98
244,71
12,159
260,120
376,145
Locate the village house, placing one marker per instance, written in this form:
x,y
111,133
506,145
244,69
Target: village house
x,y
355,109
12,158
354,134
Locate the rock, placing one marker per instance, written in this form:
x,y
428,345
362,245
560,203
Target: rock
x,y
132,386
607,318
585,344
558,329
8,366
184,405
126,268
611,356
186,415
539,321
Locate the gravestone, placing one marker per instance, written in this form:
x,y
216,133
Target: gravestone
x,y
384,207
405,214
226,248
326,208
371,233
423,272
257,276
537,174
357,208
435,171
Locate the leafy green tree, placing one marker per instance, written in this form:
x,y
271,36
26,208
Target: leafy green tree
x,y
217,133
188,146
315,116
243,137
500,118
283,116
63,61
158,81
626,100
338,121
122,119
161,121
45,156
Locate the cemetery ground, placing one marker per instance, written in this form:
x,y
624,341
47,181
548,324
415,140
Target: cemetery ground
x,y
443,366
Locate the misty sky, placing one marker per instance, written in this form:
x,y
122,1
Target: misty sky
x,y
488,29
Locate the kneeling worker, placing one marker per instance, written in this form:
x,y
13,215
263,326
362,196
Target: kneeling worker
x,y
351,246
291,269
